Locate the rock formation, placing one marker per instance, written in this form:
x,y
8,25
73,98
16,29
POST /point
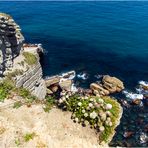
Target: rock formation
x,y
11,41
107,86
20,62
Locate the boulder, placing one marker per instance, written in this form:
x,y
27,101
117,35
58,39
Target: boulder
x,y
54,88
52,80
136,101
66,85
112,84
49,92
98,89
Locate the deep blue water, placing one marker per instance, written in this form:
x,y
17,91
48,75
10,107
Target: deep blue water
x,y
95,37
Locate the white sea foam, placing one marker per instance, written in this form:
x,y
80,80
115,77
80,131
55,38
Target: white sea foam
x,y
98,76
82,76
132,95
74,88
144,83
69,75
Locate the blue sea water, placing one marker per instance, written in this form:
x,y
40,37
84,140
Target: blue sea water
x,y
92,37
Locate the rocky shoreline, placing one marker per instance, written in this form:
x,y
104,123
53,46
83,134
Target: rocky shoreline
x,y
90,107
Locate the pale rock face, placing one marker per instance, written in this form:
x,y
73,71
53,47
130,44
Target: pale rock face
x,y
11,41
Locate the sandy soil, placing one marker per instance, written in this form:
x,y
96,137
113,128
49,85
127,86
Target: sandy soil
x,y
53,130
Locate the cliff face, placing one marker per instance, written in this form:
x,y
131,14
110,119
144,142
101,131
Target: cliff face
x,y
17,61
31,79
11,41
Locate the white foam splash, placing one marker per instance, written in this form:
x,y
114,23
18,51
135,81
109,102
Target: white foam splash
x,y
74,88
82,76
144,83
69,75
98,76
133,96
143,138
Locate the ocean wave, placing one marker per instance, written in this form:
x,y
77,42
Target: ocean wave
x,y
98,76
144,83
132,95
83,76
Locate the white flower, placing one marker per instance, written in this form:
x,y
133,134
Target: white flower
x,y
60,101
86,115
100,100
76,119
67,96
86,97
93,115
79,103
91,99
83,111
90,104
63,98
108,106
101,128
86,122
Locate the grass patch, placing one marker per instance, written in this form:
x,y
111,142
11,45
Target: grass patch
x,y
15,73
17,104
5,87
29,136
50,101
17,142
30,58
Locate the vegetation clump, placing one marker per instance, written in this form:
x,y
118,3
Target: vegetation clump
x,y
29,136
30,58
5,88
49,102
99,113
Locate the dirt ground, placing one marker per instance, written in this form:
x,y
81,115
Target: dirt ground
x,y
53,130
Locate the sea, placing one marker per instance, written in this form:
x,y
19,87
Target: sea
x,y
94,38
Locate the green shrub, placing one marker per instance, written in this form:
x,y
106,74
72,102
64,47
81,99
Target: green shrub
x,y
30,58
5,88
99,113
50,101
17,104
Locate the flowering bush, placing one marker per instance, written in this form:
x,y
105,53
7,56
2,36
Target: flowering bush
x,y
99,113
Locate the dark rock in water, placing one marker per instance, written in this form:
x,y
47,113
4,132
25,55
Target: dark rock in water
x,y
125,103
145,87
136,101
128,134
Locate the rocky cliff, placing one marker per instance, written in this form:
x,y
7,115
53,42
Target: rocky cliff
x,y
18,61
11,41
